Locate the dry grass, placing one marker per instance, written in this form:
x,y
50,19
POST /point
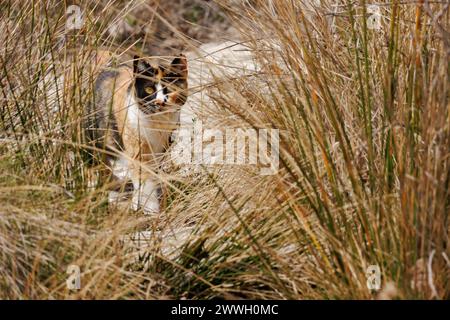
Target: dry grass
x,y
364,158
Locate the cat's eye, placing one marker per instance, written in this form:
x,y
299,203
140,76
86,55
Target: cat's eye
x,y
149,90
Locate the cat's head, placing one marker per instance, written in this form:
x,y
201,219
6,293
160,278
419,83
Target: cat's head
x,y
160,88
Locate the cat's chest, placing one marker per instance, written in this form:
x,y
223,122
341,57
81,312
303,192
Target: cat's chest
x,y
141,125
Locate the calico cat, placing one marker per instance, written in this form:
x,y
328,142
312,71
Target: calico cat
x,y
134,111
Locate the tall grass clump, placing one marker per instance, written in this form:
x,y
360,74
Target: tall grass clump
x,y
361,105
364,143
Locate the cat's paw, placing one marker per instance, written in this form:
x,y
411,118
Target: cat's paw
x,y
149,205
113,197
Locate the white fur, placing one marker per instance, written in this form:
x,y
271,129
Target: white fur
x,y
135,116
160,96
121,169
145,196
140,122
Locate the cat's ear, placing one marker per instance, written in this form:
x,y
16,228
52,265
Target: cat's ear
x,y
140,66
179,66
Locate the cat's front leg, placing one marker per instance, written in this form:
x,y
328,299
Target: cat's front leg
x,y
146,196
